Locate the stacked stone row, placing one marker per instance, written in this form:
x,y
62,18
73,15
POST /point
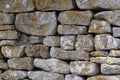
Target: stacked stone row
x,y
59,40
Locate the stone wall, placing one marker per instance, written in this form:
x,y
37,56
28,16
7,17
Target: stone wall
x,y
59,40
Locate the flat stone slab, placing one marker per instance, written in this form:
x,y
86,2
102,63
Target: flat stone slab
x,y
75,17
48,5
98,4
73,77
99,53
114,53
36,23
6,27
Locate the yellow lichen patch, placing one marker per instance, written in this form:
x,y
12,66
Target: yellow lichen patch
x,y
100,78
95,53
84,55
86,70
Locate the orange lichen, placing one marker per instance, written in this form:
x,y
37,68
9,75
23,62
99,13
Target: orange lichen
x,y
100,78
86,69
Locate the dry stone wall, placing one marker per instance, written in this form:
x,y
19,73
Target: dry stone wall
x,y
59,39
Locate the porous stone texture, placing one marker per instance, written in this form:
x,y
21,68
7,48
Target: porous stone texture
x,y
59,39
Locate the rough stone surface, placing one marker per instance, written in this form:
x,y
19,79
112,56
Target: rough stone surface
x,y
17,6
13,51
99,53
3,64
67,42
111,16
35,39
116,31
13,75
83,68
6,27
75,17
7,42
47,5
98,26
42,75
51,41
107,60
106,42
8,34
68,55
98,4
25,63
110,69
53,65
84,42
37,50
71,29
36,23
114,53
73,77
103,77
6,18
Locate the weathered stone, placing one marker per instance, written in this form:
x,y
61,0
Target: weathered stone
x,y
6,27
98,4
7,42
8,34
37,50
1,56
13,51
6,18
42,75
47,5
17,6
3,64
83,68
110,69
75,17
107,60
116,31
84,42
35,39
13,75
114,53
98,26
25,63
71,29
37,23
68,55
53,65
103,77
99,53
51,41
67,42
73,77
111,16
106,42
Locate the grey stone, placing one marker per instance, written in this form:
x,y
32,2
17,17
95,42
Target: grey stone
x,y
52,64
99,26
69,55
13,51
111,16
107,60
37,50
67,42
84,42
48,5
114,53
36,23
75,17
3,64
25,63
6,18
83,68
35,39
73,77
98,4
17,6
42,75
71,29
104,77
13,75
106,42
99,53
116,31
51,41
110,69
7,42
